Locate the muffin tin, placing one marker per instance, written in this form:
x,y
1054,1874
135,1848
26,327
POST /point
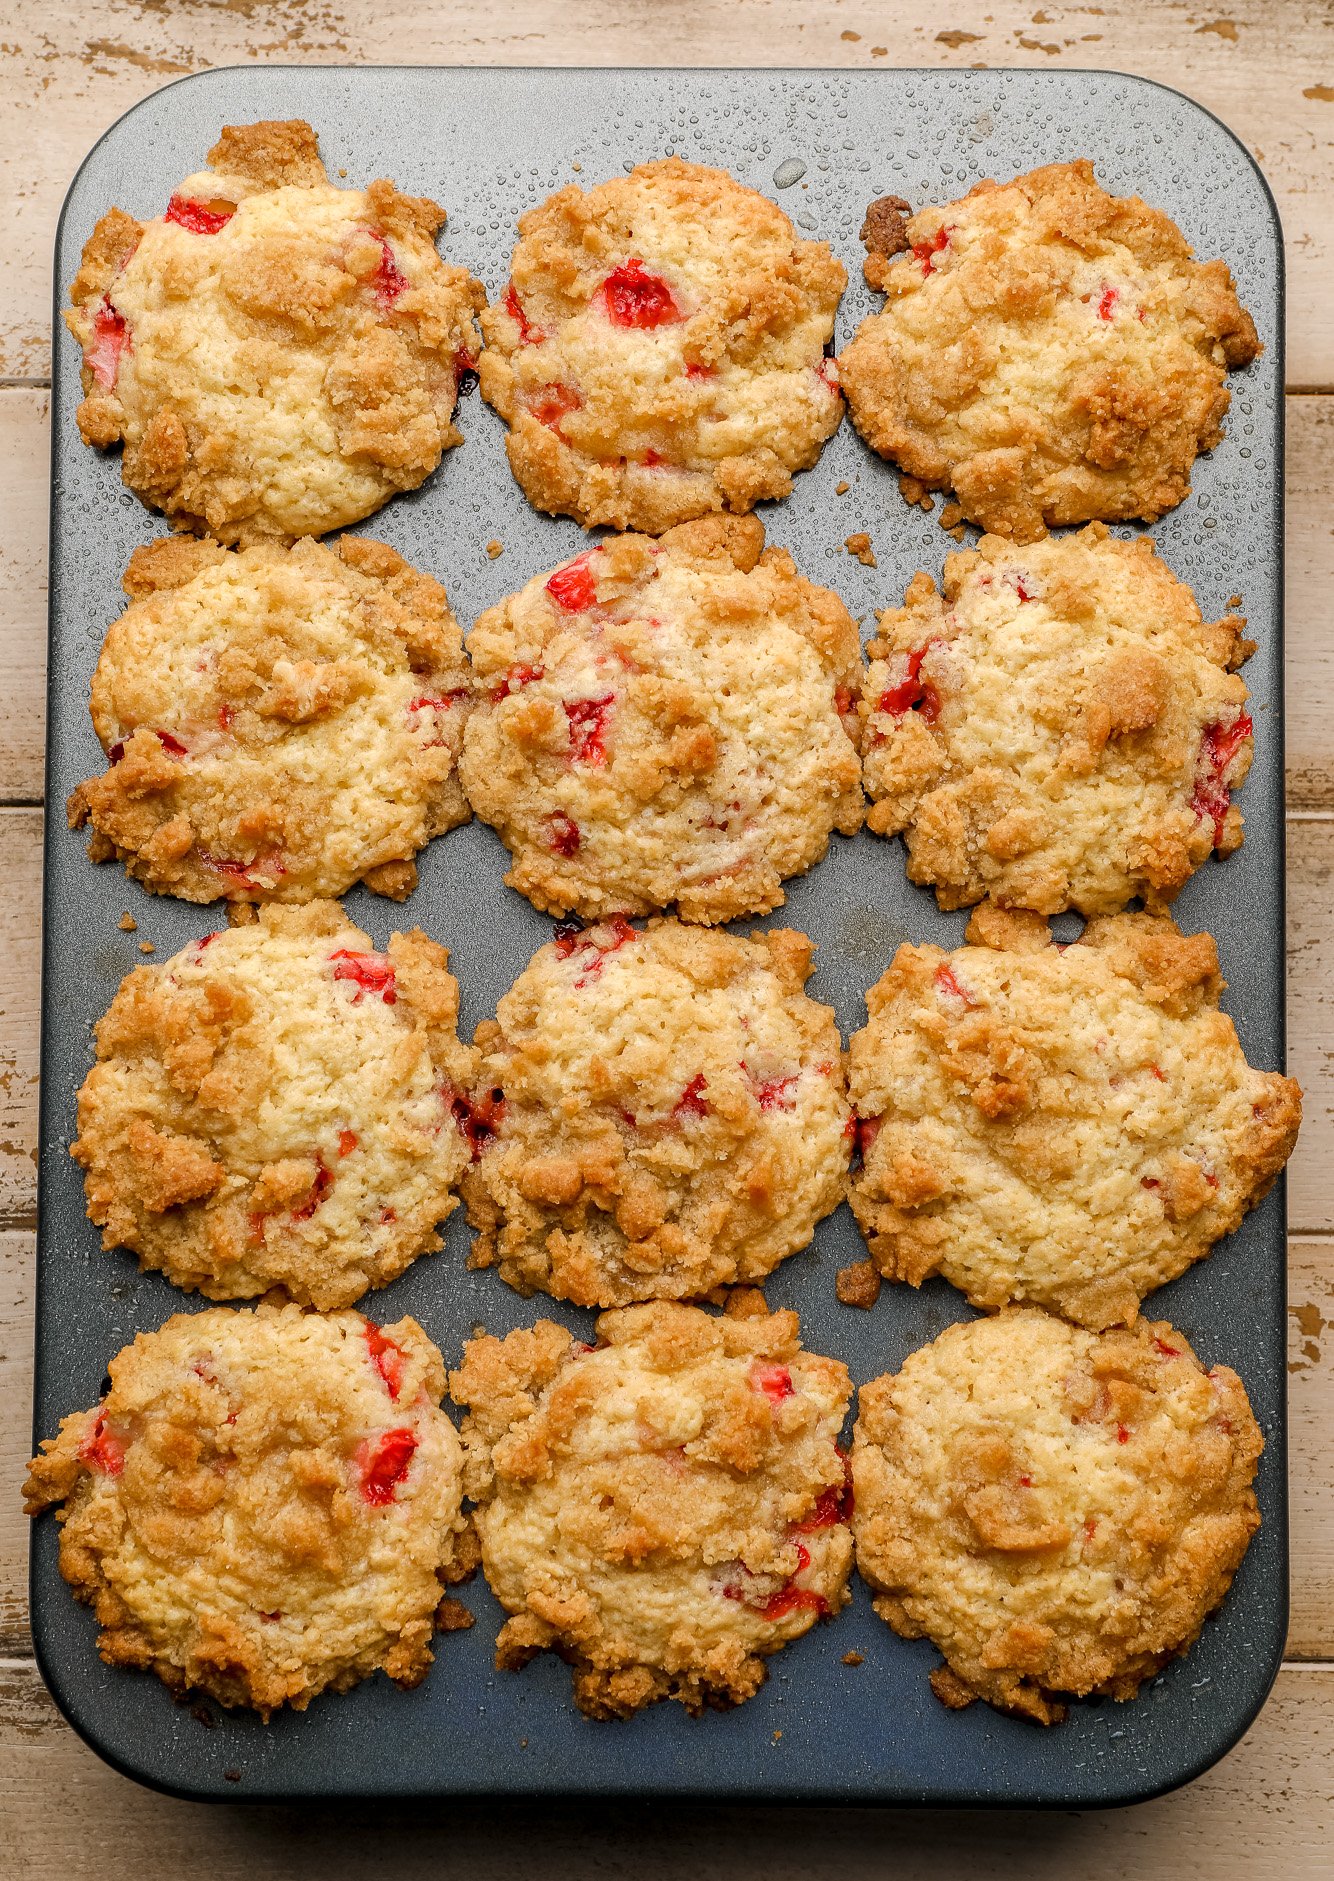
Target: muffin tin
x,y
489,144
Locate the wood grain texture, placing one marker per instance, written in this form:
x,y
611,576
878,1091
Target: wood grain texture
x,y
1263,1812
72,68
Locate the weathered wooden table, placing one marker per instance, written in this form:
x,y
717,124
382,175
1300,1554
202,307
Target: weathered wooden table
x,y
68,70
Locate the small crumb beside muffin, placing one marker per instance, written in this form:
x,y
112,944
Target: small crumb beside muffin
x,y
279,723
664,1509
265,1505
1058,728
659,350
278,356
1071,1126
276,1107
1048,352
662,1112
665,723
1057,1511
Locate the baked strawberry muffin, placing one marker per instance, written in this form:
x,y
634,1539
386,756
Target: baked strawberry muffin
x,y
265,1505
660,1112
1047,352
279,723
276,1107
659,350
666,722
665,1509
1057,1511
278,356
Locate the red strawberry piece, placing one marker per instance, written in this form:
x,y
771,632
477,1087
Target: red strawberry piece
x,y
465,370
271,863
832,1506
347,1142
774,1380
947,985
1158,1072
564,837
692,1102
1107,304
387,1215
371,973
1167,1351
553,402
696,370
631,297
515,679
567,936
110,339
588,725
868,1129
573,587
201,218
529,335
651,459
843,700
384,1464
226,716
319,1189
1218,748
912,692
103,1448
1122,1434
827,373
1150,1182
773,1093
478,1118
389,280
926,251
387,1357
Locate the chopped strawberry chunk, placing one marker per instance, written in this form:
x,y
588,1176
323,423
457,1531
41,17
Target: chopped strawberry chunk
x,y
515,679
1019,588
633,298
588,726
554,402
1107,304
774,1380
110,339
170,743
529,335
567,936
387,1215
1218,750
868,1129
465,370
789,1598
926,251
270,863
692,1102
827,373
1167,1351
347,1142
389,280
947,985
843,700
371,973
226,716
103,1448
773,1093
1122,1434
319,1189
201,218
478,1118
651,459
912,692
573,586
387,1357
832,1506
1157,1071
564,837
695,369
384,1464
1150,1182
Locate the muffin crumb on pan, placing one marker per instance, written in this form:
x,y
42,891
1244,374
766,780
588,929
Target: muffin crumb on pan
x,y
278,356
1049,353
664,1509
1057,1511
1067,1125
265,1504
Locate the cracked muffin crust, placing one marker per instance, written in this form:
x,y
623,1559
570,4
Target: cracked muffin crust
x,y
265,1505
666,722
278,356
279,723
1058,1511
663,1112
664,1509
1072,1126
1050,353
276,1107
1058,728
659,351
